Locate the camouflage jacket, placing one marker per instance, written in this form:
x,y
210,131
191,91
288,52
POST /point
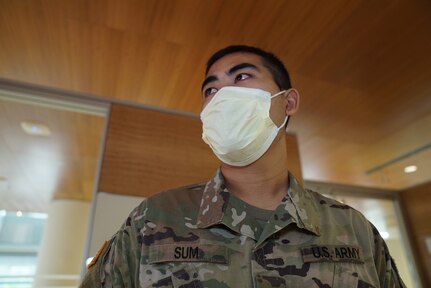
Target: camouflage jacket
x,y
199,236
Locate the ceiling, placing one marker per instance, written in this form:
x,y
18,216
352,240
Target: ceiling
x,y
362,67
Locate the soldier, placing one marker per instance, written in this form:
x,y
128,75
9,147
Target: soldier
x,y
252,224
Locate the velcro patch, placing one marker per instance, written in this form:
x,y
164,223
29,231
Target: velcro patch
x,y
192,252
96,257
333,253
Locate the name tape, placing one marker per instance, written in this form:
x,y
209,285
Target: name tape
x,y
188,253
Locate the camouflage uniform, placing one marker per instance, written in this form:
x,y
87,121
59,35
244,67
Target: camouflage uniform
x,y
199,236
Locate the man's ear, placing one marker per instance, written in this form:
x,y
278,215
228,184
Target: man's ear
x,y
292,101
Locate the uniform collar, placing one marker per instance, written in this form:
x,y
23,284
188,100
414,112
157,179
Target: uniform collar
x,y
296,207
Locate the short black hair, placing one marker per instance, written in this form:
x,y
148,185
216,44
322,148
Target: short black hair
x,y
270,61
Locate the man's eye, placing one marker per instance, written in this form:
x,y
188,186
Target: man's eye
x,y
241,76
210,91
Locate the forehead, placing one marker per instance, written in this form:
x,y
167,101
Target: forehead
x,y
223,64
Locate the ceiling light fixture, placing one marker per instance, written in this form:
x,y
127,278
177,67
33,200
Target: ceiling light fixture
x,y
410,169
19,213
399,158
35,128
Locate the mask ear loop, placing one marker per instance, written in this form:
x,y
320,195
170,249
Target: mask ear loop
x,y
278,94
286,121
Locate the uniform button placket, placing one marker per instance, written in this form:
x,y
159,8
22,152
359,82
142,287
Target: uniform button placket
x,y
257,255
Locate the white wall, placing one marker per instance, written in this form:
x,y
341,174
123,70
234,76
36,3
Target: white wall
x,y
404,264
111,211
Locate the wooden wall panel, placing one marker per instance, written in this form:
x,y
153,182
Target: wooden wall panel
x,y
416,204
149,151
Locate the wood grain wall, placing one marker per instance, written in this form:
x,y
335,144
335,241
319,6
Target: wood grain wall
x,y
149,151
416,206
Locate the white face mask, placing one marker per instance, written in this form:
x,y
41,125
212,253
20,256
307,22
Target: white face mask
x,y
237,126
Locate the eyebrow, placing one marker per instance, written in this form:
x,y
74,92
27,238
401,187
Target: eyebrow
x,y
232,70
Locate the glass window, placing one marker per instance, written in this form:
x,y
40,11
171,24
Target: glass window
x,y
20,238
49,151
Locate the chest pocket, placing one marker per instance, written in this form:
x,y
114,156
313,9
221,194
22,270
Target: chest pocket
x,y
326,266
178,265
348,263
344,277
336,275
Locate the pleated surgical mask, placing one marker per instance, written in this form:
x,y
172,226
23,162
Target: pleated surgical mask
x,y
237,125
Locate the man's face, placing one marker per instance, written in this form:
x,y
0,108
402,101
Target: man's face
x,y
242,70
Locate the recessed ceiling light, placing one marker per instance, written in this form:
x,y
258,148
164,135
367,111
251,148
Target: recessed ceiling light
x,y
19,213
410,169
35,128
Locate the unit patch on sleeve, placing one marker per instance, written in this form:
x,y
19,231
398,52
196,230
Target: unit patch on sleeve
x,y
334,253
96,257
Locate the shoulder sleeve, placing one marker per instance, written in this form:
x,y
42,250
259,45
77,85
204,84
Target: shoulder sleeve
x,y
118,263
385,265
92,276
